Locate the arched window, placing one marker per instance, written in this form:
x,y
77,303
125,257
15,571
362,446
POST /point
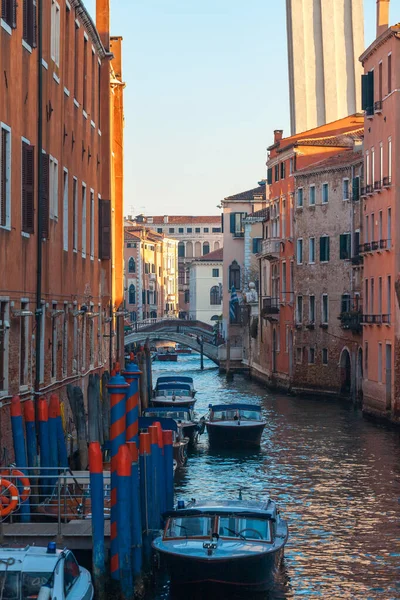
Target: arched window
x,y
206,248
133,317
189,249
197,249
234,275
132,294
215,295
216,245
181,250
132,265
153,314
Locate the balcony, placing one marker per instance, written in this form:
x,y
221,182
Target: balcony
x,y
369,189
152,276
363,191
378,186
352,320
378,106
238,234
375,319
270,306
374,246
387,182
369,112
365,247
357,260
270,248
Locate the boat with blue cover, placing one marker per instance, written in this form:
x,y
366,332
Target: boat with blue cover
x,y
235,424
174,394
176,379
237,544
183,416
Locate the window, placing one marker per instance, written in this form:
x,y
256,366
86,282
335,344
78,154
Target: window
x,y
93,92
312,195
215,272
299,251
366,296
356,249
206,248
276,172
390,159
381,162
367,170
133,317
75,215
189,230
187,296
181,230
9,12
181,277
85,73
299,309
181,250
324,315
234,275
356,189
283,170
257,245
299,355
372,227
311,250
372,165
23,346
171,230
366,232
300,198
324,356
311,308
380,93
5,176
84,216
389,83
325,193
215,295
291,281
345,303
65,341
76,66
311,356
216,230
345,246
4,335
71,572
53,188
380,292
55,32
283,281
159,229
54,341
269,175
29,22
324,248
389,296
380,225
98,93
28,193
346,189
389,228
92,224
65,209
236,224
206,229
132,294
366,360
380,362
197,230
291,163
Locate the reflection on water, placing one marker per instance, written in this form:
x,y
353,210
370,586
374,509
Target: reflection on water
x,y
334,475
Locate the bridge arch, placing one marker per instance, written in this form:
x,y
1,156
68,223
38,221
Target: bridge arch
x,y
209,350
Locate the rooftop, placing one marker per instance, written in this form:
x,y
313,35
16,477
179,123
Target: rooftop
x,y
216,255
343,159
176,219
248,195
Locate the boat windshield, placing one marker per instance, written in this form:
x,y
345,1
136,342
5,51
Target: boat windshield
x,y
190,527
22,586
180,415
170,393
245,527
236,414
32,582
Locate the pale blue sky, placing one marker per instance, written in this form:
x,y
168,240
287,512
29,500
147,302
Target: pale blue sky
x,y
206,86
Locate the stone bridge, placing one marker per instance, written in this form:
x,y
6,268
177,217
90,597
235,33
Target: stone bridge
x,y
176,330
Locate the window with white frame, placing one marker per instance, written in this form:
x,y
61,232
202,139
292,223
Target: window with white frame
x,y
75,215
311,199
53,188
325,193
299,309
299,251
283,284
324,356
91,340
381,162
389,228
311,309
65,210
75,342
380,362
42,339
23,345
4,344
300,198
5,177
390,159
325,309
299,355
84,220
372,165
92,224
311,250
311,355
55,32
65,342
346,189
54,341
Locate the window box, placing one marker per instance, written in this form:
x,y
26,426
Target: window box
x,y
369,189
387,182
378,186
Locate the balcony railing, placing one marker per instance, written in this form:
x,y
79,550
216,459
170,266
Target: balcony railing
x,y
375,319
378,106
365,247
363,191
271,248
270,306
378,185
374,245
238,234
387,182
357,260
352,320
369,188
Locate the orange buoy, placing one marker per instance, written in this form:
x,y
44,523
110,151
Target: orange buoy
x,y
15,473
5,509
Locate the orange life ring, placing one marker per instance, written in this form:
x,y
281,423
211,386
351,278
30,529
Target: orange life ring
x,y
21,478
10,487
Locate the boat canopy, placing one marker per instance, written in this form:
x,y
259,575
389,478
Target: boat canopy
x,y
221,510
170,378
166,424
159,410
174,386
233,406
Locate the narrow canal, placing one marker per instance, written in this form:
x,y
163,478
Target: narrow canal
x,y
335,476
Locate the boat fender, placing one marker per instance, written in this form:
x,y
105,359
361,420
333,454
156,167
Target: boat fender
x,y
44,593
201,426
19,475
5,510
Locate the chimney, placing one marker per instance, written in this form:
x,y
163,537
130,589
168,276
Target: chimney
x,y
103,21
382,16
165,219
278,134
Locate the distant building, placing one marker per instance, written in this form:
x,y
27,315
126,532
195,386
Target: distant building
x,y
196,236
206,287
325,39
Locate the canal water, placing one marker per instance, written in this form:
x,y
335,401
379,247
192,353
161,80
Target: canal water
x,y
335,475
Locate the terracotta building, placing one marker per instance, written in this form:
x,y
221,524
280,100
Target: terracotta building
x,y
328,276
60,251
381,197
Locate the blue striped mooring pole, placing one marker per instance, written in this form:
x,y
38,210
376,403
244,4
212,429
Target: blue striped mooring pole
x,y
124,468
20,452
97,501
43,419
136,514
168,438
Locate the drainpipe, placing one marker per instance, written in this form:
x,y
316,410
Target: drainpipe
x,y
39,309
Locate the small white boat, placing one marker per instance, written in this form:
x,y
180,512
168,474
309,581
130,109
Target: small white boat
x,y
44,573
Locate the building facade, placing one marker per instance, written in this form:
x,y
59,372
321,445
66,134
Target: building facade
x,y
381,335
206,288
325,39
328,277
58,306
196,237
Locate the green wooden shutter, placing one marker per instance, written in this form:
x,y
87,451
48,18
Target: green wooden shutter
x,y
370,89
104,229
269,176
364,91
232,222
28,193
222,222
327,248
356,188
45,202
3,178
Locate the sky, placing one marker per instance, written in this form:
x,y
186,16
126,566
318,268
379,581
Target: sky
x,y
206,85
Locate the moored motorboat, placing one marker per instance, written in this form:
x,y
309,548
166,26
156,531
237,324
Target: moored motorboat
x,y
173,394
234,543
183,416
175,379
43,572
180,443
182,349
167,353
235,424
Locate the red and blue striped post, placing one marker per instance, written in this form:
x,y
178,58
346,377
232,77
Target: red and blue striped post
x,y
155,512
146,493
136,518
161,474
124,467
53,439
168,438
62,453
132,374
117,387
19,451
43,419
30,431
97,500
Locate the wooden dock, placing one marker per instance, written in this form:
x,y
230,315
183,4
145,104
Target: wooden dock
x,y
76,535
